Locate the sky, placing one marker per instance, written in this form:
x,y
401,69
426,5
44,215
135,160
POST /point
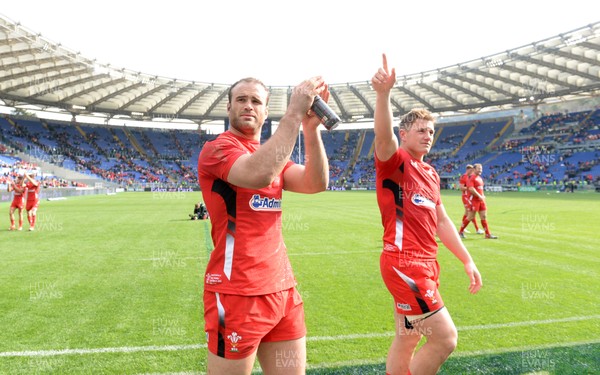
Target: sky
x,y
284,42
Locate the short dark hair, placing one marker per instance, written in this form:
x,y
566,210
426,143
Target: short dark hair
x,y
249,80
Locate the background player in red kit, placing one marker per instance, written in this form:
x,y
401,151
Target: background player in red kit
x,y
33,199
251,305
18,202
466,196
408,194
475,186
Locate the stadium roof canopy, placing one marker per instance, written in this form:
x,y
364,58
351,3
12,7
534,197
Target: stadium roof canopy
x,y
35,71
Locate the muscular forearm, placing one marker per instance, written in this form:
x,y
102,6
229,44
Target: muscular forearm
x,y
449,237
259,169
316,173
385,141
475,193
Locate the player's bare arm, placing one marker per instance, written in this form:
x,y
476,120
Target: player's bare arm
x,y
259,169
449,237
313,176
473,191
386,142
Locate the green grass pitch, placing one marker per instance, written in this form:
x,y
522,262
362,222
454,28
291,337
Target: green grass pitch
x,y
113,285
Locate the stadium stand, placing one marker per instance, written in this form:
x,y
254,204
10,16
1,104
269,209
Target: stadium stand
x,y
556,146
552,151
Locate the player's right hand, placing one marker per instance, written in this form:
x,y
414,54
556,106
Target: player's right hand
x,y
384,79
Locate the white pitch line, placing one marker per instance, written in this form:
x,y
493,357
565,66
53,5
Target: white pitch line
x,y
357,336
528,323
123,349
379,361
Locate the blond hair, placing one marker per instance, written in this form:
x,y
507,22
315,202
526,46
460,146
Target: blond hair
x,y
407,121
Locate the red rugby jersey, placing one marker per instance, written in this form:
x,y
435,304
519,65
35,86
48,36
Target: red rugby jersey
x,y
408,192
249,256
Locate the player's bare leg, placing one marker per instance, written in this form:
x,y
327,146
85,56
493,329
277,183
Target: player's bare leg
x,y
441,337
402,348
283,357
11,215
32,216
221,366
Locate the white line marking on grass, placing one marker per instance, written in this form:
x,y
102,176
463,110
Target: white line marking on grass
x,y
123,349
526,348
381,360
540,262
548,249
528,323
356,336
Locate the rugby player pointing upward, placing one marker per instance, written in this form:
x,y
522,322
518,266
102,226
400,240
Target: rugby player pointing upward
x,y
408,194
251,305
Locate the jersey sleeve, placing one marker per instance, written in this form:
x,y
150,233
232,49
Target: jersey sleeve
x,y
386,168
217,157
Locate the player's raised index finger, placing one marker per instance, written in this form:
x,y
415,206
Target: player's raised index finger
x,y
385,66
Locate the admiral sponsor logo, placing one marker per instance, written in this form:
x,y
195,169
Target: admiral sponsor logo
x,y
404,306
258,203
389,247
419,200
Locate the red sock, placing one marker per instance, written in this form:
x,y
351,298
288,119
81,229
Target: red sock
x,y
475,223
464,225
12,222
33,217
485,226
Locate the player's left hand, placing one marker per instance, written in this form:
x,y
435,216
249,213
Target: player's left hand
x,y
474,276
311,120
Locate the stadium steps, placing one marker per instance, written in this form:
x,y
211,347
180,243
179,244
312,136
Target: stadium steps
x,y
12,122
371,149
437,136
135,143
117,139
81,131
359,142
501,133
464,140
495,156
45,124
